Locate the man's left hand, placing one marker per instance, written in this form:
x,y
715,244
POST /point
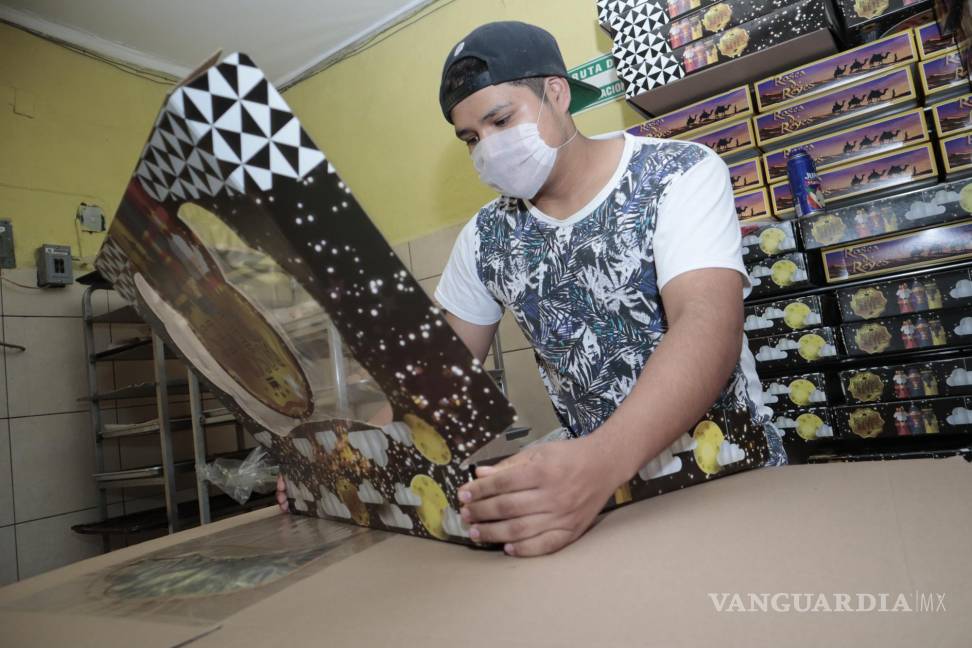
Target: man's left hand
x,y
541,499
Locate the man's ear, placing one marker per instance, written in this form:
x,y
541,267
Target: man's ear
x,y
558,93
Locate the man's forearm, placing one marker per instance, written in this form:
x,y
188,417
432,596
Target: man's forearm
x,y
681,380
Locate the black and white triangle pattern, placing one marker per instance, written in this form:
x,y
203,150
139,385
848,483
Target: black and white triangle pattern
x,y
226,130
644,59
653,72
603,14
114,266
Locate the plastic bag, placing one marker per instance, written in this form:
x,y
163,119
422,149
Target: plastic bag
x,y
239,479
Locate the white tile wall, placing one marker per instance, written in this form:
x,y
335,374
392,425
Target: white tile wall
x,y
8,555
49,543
6,476
51,376
430,253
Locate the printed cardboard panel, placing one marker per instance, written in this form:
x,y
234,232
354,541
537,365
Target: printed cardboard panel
x,y
828,74
729,142
957,153
943,74
930,40
909,418
797,349
858,12
788,392
907,381
746,175
752,205
703,115
919,249
864,100
856,143
801,425
906,296
898,169
908,332
788,315
715,19
767,238
779,274
953,116
906,211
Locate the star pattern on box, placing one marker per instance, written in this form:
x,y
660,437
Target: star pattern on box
x,y
229,130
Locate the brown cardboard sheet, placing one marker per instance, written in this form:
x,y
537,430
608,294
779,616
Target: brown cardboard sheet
x,y
643,576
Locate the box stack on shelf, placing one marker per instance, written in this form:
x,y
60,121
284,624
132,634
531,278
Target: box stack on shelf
x,y
860,317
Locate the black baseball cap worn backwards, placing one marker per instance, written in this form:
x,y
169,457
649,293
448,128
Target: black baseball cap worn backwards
x,y
511,51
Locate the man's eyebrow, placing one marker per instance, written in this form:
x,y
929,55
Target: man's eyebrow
x,y
485,118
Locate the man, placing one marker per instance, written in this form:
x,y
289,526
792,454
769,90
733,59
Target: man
x,y
621,262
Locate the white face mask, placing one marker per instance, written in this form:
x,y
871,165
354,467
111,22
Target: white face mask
x,y
517,162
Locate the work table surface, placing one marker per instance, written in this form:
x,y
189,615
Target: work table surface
x,y
649,574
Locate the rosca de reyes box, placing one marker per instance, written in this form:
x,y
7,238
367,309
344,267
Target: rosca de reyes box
x,y
752,205
703,115
898,170
912,210
864,100
780,274
801,425
957,154
797,349
767,238
928,292
943,75
953,115
730,142
746,175
828,74
918,249
865,19
908,332
907,381
786,392
908,418
715,19
676,8
788,315
930,41
855,143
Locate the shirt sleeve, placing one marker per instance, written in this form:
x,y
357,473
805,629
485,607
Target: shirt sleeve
x,y
460,290
696,225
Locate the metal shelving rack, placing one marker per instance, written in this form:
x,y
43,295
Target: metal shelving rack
x,y
152,349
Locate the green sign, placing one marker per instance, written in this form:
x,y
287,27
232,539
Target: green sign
x,y
600,73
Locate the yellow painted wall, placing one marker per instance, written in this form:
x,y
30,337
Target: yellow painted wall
x,y
71,127
71,130
376,115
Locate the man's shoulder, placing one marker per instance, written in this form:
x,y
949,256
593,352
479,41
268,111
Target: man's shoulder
x,y
653,148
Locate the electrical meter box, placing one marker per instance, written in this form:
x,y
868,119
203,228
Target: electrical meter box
x,y
54,266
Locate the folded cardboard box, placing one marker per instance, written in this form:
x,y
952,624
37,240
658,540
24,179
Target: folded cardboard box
x,y
865,20
927,292
907,381
953,115
780,274
930,41
889,92
943,75
732,142
908,418
908,332
833,72
900,170
789,315
853,144
746,175
767,238
919,249
798,349
797,426
715,19
907,211
788,392
752,205
956,154
701,116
